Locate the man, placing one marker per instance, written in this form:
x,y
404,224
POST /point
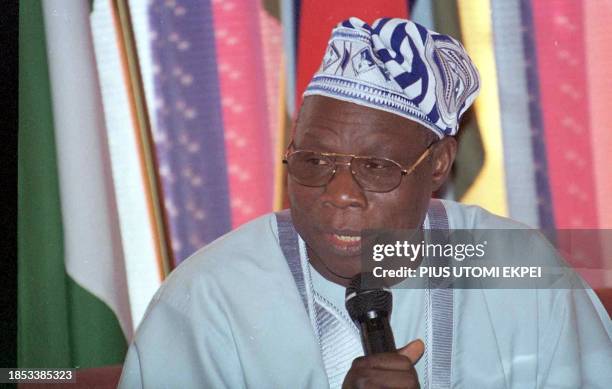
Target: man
x,y
263,306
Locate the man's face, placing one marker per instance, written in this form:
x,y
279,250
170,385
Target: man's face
x,y
330,218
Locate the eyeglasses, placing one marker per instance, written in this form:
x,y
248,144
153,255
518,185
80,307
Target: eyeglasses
x,y
373,174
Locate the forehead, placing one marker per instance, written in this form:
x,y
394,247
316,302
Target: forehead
x,y
329,120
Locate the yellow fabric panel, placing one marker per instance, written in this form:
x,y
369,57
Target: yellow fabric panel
x,y
279,147
489,188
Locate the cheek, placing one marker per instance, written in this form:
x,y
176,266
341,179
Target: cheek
x,y
303,202
299,196
403,208
302,199
420,194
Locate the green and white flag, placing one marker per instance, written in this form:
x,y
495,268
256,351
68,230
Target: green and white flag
x,y
73,300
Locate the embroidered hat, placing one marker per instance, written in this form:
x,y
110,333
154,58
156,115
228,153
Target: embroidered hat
x,y
401,67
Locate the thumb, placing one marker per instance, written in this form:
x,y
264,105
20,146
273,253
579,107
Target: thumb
x,y
413,350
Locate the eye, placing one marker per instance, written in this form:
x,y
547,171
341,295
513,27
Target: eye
x,y
374,165
318,161
377,164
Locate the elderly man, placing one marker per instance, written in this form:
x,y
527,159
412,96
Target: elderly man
x,y
263,306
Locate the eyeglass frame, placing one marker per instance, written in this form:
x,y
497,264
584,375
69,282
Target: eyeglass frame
x,y
404,170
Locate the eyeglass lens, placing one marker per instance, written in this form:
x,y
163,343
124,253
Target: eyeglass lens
x,y
373,174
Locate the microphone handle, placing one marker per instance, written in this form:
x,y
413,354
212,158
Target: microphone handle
x,y
376,334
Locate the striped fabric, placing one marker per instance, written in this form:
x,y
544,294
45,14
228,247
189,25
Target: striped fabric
x,y
559,32
514,107
245,108
189,139
540,160
228,85
551,90
598,41
489,188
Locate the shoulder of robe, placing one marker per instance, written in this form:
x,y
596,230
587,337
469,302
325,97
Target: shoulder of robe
x,y
238,259
510,243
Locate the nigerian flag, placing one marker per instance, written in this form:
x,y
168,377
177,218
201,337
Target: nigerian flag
x,y
73,305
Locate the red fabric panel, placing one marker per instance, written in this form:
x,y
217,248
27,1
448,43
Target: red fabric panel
x,y
245,112
319,17
598,41
565,110
561,53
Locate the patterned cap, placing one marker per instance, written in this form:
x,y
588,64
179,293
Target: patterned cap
x,y
401,67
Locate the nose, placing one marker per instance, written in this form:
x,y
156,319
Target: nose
x,y
342,191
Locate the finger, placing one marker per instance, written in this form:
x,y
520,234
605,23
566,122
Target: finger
x,y
386,361
376,378
413,350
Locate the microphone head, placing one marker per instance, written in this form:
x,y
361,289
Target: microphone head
x,y
366,294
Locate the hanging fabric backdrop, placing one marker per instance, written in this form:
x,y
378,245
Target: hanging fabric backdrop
x,y
222,81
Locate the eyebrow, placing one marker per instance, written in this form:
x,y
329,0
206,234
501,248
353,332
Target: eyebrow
x,y
315,144
316,139
320,127
384,149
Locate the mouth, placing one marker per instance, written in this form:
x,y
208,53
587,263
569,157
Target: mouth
x,y
344,243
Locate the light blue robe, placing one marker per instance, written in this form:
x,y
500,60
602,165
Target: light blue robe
x,y
231,317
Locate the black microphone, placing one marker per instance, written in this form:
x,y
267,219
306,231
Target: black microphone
x,y
370,309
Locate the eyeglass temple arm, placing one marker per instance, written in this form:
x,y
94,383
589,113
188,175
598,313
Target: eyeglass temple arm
x,y
418,161
289,146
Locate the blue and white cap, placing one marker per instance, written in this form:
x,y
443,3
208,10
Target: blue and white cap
x,y
401,67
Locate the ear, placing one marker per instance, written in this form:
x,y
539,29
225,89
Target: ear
x,y
444,152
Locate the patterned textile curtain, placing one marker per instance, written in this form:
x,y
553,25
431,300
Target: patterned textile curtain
x,y
228,77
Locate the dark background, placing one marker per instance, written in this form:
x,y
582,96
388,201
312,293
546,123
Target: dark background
x,y
8,186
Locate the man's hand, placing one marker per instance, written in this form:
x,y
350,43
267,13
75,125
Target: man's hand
x,y
386,370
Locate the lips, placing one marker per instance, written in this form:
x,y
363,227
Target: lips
x,y
345,243
346,238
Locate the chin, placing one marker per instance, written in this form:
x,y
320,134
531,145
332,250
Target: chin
x,y
341,259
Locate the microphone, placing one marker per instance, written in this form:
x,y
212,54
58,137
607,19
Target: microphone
x,y
370,309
